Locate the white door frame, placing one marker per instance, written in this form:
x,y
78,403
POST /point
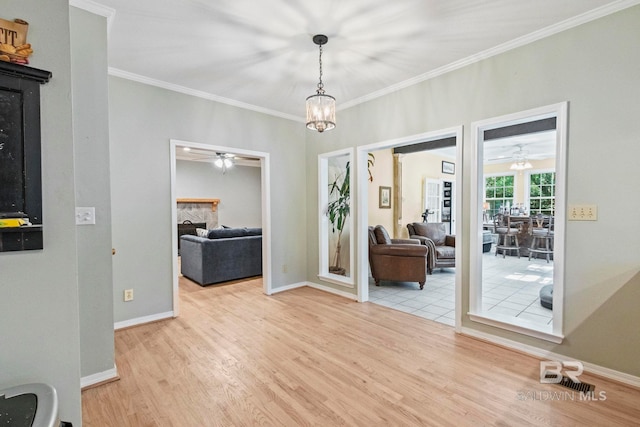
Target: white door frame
x,y
476,312
266,210
362,203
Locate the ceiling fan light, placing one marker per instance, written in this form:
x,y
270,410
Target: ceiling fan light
x,y
218,162
521,165
228,163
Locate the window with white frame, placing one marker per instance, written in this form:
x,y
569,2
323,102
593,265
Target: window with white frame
x,y
542,193
498,190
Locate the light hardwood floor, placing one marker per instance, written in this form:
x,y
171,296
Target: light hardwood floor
x,y
237,358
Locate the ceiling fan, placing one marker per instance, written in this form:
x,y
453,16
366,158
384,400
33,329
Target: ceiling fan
x,y
520,161
224,161
520,155
212,156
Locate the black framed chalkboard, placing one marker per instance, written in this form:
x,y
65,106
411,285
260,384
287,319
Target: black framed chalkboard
x,y
20,158
12,166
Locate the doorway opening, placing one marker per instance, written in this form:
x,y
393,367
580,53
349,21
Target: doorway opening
x,y
414,168
517,240
210,160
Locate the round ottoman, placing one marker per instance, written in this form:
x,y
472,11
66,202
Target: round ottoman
x,y
546,296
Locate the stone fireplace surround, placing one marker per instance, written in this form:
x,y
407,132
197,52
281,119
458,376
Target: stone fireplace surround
x,y
198,210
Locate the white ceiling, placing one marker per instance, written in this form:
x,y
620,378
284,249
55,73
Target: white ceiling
x,y
259,53
532,146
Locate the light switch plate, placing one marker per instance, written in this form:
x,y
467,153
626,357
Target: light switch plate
x,y
583,213
85,216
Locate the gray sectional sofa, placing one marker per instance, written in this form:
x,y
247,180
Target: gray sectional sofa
x,y
224,254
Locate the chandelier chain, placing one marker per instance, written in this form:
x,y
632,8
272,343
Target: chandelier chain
x,y
320,84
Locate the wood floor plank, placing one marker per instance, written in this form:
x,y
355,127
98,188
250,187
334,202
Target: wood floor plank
x,y
236,357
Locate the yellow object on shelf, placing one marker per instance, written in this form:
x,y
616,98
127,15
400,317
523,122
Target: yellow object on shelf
x,y
12,222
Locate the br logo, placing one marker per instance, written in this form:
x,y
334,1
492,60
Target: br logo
x,y
551,371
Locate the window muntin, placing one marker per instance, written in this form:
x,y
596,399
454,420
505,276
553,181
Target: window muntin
x,y
499,192
542,193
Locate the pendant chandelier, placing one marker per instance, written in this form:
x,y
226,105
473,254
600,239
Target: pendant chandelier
x,y
321,108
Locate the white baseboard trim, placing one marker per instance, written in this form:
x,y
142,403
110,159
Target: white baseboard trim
x,y
592,368
142,320
331,290
89,380
315,286
288,287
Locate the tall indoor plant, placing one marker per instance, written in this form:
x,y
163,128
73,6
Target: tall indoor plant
x,y
338,208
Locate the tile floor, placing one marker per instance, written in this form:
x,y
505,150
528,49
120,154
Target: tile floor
x,y
511,286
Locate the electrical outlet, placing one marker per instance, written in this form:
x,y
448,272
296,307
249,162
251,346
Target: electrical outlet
x,y
128,294
583,213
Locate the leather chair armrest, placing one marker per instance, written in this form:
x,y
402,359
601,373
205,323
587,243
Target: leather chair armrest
x,y
425,240
450,240
399,250
421,239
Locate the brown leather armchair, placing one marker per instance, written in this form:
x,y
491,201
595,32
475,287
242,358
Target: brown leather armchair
x,y
442,246
401,260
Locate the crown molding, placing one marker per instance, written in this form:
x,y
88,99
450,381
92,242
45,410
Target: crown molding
x,y
198,93
551,30
567,24
96,8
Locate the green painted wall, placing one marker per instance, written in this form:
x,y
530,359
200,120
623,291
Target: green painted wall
x,y
91,159
143,119
39,330
596,68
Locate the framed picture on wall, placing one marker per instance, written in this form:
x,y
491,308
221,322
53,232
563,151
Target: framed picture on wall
x,y
384,197
448,167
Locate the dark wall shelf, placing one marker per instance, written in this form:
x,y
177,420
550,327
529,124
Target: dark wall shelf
x,y
21,238
24,72
20,154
